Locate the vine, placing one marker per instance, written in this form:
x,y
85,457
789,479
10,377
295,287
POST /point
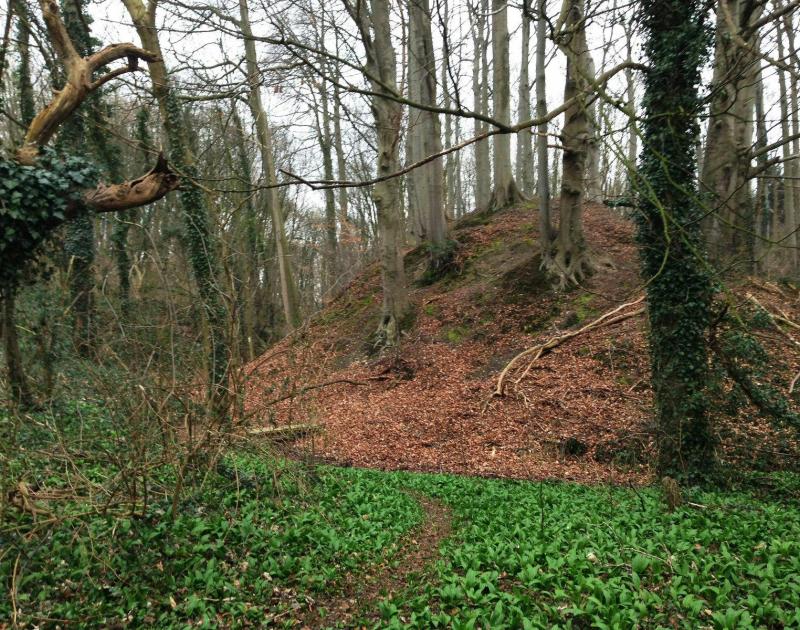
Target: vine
x,y
679,289
34,200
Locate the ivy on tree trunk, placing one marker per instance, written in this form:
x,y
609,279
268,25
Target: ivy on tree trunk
x,y
679,289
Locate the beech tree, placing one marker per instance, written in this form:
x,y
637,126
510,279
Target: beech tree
x,y
424,129
731,225
569,258
376,37
506,192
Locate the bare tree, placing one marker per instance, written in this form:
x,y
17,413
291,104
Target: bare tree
x,y
505,191
376,37
424,130
524,141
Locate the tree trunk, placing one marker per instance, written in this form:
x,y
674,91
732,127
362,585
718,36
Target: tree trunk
x,y
524,139
594,178
348,238
571,262
679,290
633,131
794,164
331,250
480,94
542,169
201,243
20,389
788,236
763,208
424,127
505,192
730,228
376,36
289,296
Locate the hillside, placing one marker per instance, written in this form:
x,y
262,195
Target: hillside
x,y
581,412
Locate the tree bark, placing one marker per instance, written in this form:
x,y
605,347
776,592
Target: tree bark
x,y
571,262
424,134
505,191
546,233
480,94
788,236
679,290
524,139
730,228
376,36
20,388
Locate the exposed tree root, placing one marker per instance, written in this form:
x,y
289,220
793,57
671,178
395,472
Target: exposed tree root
x,y
571,266
505,197
611,317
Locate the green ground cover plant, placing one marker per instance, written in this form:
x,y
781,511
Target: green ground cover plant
x,y
254,542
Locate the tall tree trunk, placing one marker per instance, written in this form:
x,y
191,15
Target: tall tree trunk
x,y
788,237
546,233
480,94
794,164
763,208
348,238
594,178
424,128
505,191
571,261
27,107
524,139
679,289
730,228
330,253
250,237
376,36
452,186
630,90
201,243
289,296
79,241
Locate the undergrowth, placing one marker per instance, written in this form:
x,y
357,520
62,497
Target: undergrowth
x,y
255,541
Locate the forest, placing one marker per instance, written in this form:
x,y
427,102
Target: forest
x,y
464,314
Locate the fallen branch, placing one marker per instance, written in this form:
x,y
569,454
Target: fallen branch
x,y
287,433
607,319
24,499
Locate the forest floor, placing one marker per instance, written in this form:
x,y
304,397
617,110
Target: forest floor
x,y
581,412
105,528
260,543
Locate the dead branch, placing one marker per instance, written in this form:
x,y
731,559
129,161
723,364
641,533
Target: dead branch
x,y
287,433
338,381
24,499
607,319
80,81
146,189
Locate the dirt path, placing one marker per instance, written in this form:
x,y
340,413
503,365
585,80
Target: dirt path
x,y
360,592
